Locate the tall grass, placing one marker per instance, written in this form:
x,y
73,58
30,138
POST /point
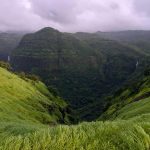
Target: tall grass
x,y
120,135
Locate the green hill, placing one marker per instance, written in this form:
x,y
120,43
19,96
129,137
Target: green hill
x,y
29,113
129,35
130,101
138,38
83,70
23,101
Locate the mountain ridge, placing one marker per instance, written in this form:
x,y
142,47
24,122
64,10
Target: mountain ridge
x,y
82,70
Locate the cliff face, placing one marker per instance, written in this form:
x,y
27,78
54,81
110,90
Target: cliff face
x,y
53,49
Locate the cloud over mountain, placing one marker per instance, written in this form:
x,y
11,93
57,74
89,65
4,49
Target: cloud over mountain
x,y
75,15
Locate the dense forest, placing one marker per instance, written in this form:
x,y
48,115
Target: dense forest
x,y
82,67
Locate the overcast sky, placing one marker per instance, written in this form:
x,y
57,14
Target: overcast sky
x,y
75,15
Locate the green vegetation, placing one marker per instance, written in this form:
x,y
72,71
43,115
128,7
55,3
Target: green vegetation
x,y
28,101
29,117
130,100
25,76
5,65
138,39
83,69
120,135
86,70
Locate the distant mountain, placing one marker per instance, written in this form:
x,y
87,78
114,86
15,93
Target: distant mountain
x,y
8,42
130,36
83,70
138,38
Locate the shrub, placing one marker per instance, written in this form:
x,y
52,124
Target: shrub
x,y
53,90
28,76
5,65
147,72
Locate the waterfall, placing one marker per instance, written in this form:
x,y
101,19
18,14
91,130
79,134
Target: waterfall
x,y
137,63
8,59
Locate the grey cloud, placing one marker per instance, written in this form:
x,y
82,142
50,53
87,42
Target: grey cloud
x,y
142,6
75,15
61,11
114,5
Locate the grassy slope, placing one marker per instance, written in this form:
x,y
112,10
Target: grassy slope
x,y
131,105
129,96
27,103
140,109
22,125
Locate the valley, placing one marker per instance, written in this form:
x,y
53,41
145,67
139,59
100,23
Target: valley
x,y
83,69
65,91
31,117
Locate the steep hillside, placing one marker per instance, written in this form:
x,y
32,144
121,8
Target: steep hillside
x,y
82,70
130,101
23,101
